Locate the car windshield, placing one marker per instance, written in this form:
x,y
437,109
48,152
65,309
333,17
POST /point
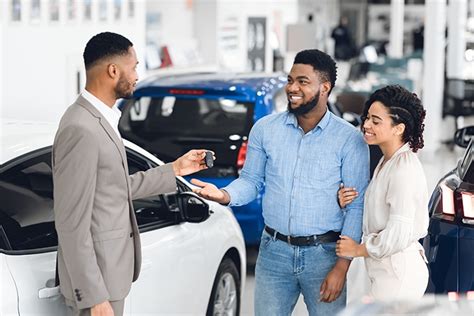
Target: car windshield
x,y
169,126
197,117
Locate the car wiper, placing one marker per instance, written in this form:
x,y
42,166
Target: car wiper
x,y
197,140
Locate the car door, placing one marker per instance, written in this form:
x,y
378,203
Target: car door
x,y
29,239
174,266
8,294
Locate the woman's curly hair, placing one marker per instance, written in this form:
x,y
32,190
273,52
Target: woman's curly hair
x,y
404,107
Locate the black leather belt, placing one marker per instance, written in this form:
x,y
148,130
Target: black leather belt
x,y
330,236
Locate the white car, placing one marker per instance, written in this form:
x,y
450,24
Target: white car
x,y
194,260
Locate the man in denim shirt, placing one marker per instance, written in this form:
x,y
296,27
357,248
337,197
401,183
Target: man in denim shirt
x,y
301,156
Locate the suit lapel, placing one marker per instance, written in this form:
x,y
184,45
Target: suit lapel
x,y
106,126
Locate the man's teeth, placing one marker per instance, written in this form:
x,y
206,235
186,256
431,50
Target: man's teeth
x,y
369,134
293,97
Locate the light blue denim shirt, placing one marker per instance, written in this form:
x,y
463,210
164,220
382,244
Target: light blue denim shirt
x,y
301,174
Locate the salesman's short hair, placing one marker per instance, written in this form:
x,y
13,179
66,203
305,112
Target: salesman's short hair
x,y
105,45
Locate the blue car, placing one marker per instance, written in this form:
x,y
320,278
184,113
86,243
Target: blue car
x,y
169,115
449,245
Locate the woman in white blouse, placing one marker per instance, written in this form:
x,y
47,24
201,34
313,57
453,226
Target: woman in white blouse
x,y
396,200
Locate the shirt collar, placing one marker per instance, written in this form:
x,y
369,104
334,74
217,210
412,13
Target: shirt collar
x,y
291,120
325,120
101,106
111,114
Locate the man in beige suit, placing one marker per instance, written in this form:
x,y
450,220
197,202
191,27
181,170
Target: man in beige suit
x,y
99,254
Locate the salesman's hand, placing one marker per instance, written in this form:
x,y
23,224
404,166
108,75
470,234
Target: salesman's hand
x,y
102,309
211,192
332,286
191,162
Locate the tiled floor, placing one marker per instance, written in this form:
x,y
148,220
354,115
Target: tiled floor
x,y
435,166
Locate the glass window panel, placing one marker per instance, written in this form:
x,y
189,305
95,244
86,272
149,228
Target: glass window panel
x,y
72,9
117,9
87,10
103,10
54,10
131,8
35,12
16,10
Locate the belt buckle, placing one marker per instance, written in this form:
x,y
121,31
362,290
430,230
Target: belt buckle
x,y
288,238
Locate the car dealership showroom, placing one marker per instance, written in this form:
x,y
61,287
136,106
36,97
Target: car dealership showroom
x,y
236,157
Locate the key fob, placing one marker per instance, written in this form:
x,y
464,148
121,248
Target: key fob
x,y
209,159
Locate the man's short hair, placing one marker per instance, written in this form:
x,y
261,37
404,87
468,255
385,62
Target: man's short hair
x,y
321,62
105,45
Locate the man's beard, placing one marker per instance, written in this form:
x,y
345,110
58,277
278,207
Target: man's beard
x,y
123,89
304,108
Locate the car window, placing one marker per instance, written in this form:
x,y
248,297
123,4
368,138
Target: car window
x,y
26,211
26,208
156,211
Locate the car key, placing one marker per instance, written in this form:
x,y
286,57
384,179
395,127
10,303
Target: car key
x,y
209,159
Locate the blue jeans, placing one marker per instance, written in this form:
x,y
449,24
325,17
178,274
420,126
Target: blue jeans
x,y
284,271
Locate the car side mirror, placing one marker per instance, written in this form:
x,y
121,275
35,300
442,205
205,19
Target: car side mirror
x,y
195,209
463,136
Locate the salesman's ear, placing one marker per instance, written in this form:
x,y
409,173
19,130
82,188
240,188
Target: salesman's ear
x,y
112,70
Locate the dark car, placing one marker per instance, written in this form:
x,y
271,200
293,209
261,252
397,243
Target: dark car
x,y
449,244
169,115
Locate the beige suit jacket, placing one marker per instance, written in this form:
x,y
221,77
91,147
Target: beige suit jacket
x,y
99,252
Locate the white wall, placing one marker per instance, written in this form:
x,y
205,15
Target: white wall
x,y
40,60
205,29
216,20
176,20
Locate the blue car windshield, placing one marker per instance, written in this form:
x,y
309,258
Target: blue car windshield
x,y
172,115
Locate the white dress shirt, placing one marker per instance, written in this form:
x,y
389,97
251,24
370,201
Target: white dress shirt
x,y
396,205
111,114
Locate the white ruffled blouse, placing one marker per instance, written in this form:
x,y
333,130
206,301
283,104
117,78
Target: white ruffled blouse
x,y
395,205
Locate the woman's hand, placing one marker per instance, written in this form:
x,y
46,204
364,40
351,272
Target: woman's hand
x,y
345,196
347,247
